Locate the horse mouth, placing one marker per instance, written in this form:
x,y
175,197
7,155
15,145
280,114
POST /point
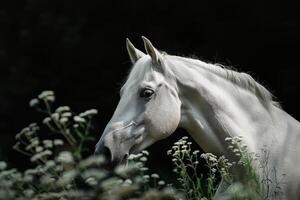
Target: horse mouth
x,y
133,149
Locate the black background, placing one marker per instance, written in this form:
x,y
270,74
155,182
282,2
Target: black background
x,y
77,49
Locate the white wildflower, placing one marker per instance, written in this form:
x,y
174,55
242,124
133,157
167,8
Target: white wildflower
x,y
28,178
58,168
63,120
65,157
49,164
55,116
204,156
145,152
3,165
127,182
39,149
67,177
58,142
62,109
33,143
196,152
212,159
124,171
47,180
92,160
184,151
33,102
91,181
110,183
139,164
29,134
33,125
18,136
131,157
155,176
40,155
235,150
143,169
183,142
47,120
89,113
46,94
161,183
143,159
48,143
24,130
95,173
139,155
79,119
229,164
176,153
66,114
92,112
50,98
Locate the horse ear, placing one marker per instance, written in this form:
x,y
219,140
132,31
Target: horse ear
x,y
152,51
134,54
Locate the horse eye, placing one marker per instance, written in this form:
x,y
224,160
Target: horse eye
x,y
146,93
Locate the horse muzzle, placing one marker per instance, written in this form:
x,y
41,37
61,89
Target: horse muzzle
x,y
117,142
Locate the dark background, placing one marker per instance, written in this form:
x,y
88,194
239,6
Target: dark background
x,y
77,49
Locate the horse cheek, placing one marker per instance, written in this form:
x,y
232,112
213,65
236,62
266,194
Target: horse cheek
x,y
172,114
163,116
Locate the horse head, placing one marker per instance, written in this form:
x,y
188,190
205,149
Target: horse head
x,y
149,108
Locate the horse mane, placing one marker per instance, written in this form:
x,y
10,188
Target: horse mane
x,y
240,79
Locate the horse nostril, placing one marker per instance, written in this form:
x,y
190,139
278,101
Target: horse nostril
x,y
104,151
107,154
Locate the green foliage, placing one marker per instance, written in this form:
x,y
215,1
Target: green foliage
x,y
250,185
186,162
61,170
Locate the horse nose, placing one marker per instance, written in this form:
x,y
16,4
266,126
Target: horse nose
x,y
105,151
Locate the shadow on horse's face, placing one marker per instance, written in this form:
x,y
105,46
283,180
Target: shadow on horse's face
x,y
148,111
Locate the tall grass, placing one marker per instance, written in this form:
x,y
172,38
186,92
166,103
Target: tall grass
x,y
57,145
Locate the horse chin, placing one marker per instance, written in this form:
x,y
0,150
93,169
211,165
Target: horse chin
x,y
123,162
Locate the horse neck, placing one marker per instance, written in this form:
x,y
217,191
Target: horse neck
x,y
214,108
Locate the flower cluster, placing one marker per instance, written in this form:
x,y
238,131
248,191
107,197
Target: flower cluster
x,y
137,161
186,163
62,172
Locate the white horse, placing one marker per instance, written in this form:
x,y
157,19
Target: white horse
x,y
164,92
